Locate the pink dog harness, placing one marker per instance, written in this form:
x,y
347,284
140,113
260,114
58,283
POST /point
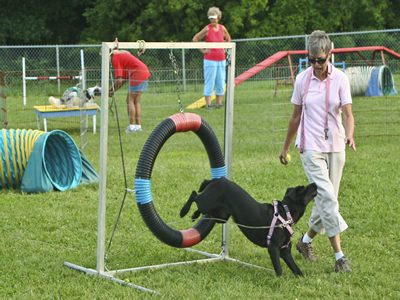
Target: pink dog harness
x,y
287,224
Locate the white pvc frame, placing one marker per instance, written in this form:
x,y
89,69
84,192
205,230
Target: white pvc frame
x,y
106,48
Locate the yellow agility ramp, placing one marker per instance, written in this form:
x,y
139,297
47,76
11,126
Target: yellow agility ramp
x,y
202,101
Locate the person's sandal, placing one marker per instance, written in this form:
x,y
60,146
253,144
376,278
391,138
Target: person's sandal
x,y
208,107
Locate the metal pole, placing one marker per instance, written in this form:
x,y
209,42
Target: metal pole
x,y
306,47
83,71
183,71
58,67
82,112
23,81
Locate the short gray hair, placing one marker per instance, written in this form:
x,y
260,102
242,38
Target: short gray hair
x,y
318,41
214,11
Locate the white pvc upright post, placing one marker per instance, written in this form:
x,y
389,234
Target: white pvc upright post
x,y
101,229
23,81
230,96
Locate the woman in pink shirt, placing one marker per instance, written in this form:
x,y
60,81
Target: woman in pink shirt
x,y
321,96
214,59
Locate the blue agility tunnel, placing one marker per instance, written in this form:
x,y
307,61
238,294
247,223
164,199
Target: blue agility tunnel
x,y
38,161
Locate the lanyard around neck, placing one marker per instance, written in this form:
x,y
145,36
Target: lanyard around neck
x,y
328,83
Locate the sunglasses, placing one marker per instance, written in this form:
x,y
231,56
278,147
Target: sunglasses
x,y
321,61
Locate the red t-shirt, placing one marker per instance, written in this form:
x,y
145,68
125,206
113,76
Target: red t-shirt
x,y
128,66
215,36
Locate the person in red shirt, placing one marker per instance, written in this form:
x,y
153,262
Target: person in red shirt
x,y
214,59
129,68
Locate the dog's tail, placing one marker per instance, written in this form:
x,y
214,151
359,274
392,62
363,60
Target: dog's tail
x,y
204,185
185,209
55,102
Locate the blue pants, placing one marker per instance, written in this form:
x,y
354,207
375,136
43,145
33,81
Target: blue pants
x,y
214,76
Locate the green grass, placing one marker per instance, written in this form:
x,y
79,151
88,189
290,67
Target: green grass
x,y
40,232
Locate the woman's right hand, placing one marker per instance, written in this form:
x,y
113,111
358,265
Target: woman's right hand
x,y
204,51
282,157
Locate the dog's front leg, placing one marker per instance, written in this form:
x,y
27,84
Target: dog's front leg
x,y
286,255
275,258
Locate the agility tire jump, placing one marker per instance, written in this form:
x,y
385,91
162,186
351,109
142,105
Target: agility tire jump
x,y
181,122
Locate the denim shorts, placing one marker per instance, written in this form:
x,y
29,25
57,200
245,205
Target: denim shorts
x,y
139,87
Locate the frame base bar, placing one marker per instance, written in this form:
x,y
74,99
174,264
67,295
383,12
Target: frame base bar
x,y
247,264
109,275
227,258
163,265
203,253
106,276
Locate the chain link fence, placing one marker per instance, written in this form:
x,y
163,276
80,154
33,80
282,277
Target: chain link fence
x,y
67,58
62,60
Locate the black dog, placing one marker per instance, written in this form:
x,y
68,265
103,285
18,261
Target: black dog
x,y
221,198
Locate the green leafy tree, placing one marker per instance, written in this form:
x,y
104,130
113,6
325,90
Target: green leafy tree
x,y
296,17
92,21
25,22
157,20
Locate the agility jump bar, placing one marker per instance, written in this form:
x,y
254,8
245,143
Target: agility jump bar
x,y
53,77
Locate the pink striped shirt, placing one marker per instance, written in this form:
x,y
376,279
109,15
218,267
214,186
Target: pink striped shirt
x,y
315,110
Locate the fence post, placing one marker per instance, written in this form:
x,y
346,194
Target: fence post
x,y
23,81
58,67
83,71
183,71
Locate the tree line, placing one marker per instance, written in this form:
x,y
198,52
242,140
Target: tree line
x,y
45,22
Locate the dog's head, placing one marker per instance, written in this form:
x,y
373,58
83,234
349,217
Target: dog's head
x,y
93,92
301,195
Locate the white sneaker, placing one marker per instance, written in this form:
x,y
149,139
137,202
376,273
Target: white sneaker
x,y
128,130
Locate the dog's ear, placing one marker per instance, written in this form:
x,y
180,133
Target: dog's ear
x,y
311,192
97,91
293,194
204,185
289,194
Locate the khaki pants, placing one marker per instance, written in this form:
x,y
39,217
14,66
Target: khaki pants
x,y
325,169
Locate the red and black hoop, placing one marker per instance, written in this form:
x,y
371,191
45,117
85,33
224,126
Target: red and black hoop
x,y
181,122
